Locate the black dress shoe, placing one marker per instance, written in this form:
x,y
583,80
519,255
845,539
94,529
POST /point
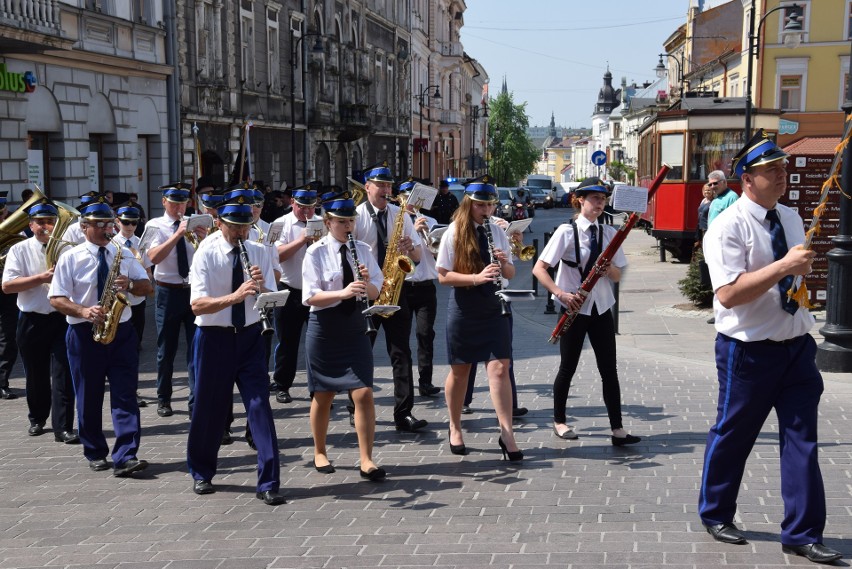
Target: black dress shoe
x,y
726,533
327,469
227,438
283,396
6,393
250,439
271,497
164,409
375,475
129,467
99,464
519,411
429,390
67,437
457,449
201,487
816,552
466,410
141,402
409,424
351,419
36,430
628,440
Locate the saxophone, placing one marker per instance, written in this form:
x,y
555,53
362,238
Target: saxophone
x,y
396,265
113,303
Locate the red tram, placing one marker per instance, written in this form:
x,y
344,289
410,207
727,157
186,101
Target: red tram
x,y
695,140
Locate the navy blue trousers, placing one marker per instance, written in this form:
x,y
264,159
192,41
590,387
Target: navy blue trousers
x,y
92,366
171,312
754,378
223,358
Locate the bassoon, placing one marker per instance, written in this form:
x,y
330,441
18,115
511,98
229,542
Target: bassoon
x,y
603,260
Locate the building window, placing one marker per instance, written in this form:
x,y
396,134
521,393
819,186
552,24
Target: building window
x,y
381,86
273,57
208,48
712,150
102,6
296,52
391,87
143,11
247,48
844,81
848,20
791,93
802,11
671,152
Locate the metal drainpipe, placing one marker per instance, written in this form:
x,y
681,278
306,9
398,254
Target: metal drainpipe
x,y
172,93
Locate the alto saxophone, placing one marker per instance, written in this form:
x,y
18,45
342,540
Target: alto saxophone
x,y
113,303
396,265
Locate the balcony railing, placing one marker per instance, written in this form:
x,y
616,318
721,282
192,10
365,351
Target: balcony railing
x,y
30,14
452,49
451,117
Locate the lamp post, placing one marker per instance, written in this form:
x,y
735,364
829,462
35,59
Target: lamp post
x,y
294,49
662,70
421,97
792,37
834,354
474,118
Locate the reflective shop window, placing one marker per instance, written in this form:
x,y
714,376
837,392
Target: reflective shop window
x,y
671,152
713,150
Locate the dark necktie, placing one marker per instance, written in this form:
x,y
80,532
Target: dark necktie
x,y
103,271
182,259
484,250
594,249
382,231
348,305
779,249
128,244
238,312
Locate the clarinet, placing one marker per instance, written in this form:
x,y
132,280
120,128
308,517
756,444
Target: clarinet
x,y
362,300
267,328
504,305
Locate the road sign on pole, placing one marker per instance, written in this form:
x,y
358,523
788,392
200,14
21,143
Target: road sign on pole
x,y
599,158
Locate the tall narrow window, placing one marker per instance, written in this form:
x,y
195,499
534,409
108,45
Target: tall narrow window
x,y
296,48
247,48
273,57
791,93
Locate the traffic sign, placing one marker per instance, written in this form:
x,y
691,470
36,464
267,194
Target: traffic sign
x,y
599,158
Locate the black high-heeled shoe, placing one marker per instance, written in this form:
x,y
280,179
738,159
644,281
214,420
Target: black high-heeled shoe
x,y
456,449
511,456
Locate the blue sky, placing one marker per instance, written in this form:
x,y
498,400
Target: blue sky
x,y
554,53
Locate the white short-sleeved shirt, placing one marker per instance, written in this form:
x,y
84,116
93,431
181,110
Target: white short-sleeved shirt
x,y
255,235
322,271
25,259
167,270
366,230
76,275
211,276
561,246
74,234
426,269
291,268
446,251
738,242
132,299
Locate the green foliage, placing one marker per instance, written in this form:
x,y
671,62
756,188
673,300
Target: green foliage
x,y
690,286
621,172
512,154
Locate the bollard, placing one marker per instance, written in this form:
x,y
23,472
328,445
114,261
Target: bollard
x,y
550,307
662,251
534,260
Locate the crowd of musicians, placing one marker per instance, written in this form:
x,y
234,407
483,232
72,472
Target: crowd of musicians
x,y
69,285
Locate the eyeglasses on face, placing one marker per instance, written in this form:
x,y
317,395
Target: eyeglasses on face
x,y
711,184
127,222
100,224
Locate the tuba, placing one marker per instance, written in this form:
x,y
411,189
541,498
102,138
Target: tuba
x,y
113,303
55,244
396,265
12,226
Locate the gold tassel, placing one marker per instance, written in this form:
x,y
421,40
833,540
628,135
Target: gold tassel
x,y
820,209
801,296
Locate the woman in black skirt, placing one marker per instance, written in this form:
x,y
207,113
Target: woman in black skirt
x,y
477,331
339,354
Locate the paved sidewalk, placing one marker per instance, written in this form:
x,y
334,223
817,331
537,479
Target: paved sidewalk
x,y
570,504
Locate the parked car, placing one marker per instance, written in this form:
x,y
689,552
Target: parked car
x,y
458,191
505,209
540,198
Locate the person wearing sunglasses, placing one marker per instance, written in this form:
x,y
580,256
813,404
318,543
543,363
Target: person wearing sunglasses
x,y
725,196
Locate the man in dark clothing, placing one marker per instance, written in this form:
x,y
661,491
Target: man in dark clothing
x,y
445,204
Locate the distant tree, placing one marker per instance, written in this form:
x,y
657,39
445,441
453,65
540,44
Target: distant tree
x,y
512,153
620,172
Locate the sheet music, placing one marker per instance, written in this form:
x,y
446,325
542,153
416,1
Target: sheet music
x,y
274,299
274,233
380,309
200,220
422,196
315,228
510,295
145,241
518,226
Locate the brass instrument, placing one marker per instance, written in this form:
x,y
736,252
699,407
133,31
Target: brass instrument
x,y
396,265
12,226
55,244
112,301
362,300
190,236
359,191
266,325
260,233
431,245
522,252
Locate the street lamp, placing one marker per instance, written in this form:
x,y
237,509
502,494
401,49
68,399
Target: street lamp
x,y
317,49
662,71
792,38
474,117
424,94
834,354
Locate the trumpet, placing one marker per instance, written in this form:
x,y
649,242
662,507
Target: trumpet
x,y
190,235
522,252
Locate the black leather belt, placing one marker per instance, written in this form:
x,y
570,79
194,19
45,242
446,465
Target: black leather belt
x,y
231,328
172,285
777,342
420,283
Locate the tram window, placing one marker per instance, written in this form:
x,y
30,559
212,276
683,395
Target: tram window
x,y
712,150
671,152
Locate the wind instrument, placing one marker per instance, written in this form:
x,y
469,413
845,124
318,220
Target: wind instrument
x,y
12,226
522,252
362,300
504,304
190,235
266,325
396,266
55,244
112,301
567,319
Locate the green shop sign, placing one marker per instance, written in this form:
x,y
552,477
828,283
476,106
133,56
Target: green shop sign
x,y
17,82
